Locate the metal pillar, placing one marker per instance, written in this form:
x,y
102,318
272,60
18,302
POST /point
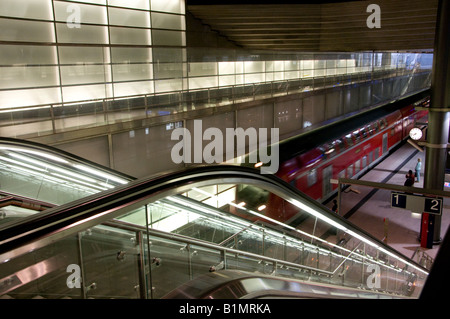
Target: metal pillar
x,y
438,122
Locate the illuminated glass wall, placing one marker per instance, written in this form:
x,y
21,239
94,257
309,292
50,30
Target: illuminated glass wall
x,y
55,51
69,65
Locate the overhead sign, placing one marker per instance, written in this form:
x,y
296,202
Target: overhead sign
x,y
417,203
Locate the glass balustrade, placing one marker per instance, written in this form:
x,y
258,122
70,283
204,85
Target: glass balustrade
x,y
157,244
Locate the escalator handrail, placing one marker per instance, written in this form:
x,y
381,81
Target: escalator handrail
x,y
59,152
226,284
24,235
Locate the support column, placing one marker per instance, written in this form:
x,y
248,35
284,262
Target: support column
x,y
438,122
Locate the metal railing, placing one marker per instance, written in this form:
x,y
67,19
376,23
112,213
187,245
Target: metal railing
x,y
115,252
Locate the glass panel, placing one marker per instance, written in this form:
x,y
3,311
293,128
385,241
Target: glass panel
x,y
133,88
134,4
91,1
74,55
83,74
202,69
44,273
131,55
89,92
174,6
110,262
129,36
168,70
129,72
203,82
16,77
168,21
27,54
29,97
85,34
32,9
132,18
168,85
163,37
26,31
87,13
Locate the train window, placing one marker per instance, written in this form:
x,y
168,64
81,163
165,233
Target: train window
x,y
349,140
357,166
341,174
376,153
364,131
376,127
382,125
350,171
364,162
329,150
356,136
370,157
312,177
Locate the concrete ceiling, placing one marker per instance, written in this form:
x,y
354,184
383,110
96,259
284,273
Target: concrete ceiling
x,y
321,26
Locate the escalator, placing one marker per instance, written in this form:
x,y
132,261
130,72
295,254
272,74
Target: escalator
x,y
161,237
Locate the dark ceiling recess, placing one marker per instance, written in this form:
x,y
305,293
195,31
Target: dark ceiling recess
x,y
337,26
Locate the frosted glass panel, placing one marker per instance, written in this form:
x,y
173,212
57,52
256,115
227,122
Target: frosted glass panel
x,y
203,82
85,34
30,31
130,36
168,54
132,18
168,70
168,85
83,74
33,9
174,6
253,78
64,11
86,92
74,55
133,88
202,68
22,76
168,21
130,72
307,64
27,54
121,55
290,65
29,97
90,1
253,66
136,4
227,80
278,66
226,67
291,75
162,37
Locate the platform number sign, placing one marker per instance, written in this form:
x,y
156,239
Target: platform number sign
x,y
433,206
417,203
398,200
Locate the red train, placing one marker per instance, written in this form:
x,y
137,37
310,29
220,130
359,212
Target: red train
x,y
345,149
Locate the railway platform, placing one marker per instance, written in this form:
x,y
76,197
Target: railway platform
x,y
370,209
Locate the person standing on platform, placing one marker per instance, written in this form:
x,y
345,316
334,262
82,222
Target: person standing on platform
x,y
417,169
409,179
